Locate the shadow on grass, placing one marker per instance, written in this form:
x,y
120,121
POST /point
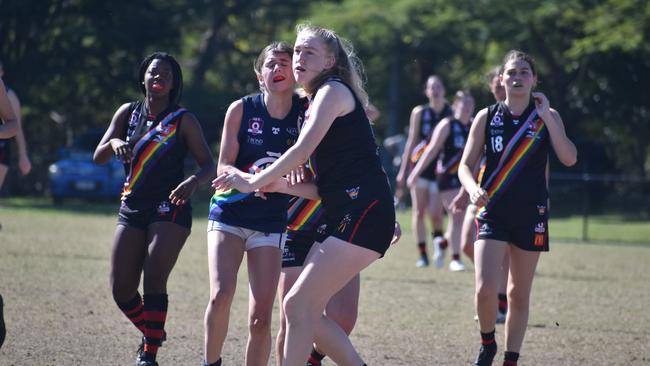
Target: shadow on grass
x,y
200,205
100,207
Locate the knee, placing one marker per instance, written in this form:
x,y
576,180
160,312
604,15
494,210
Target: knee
x,y
485,293
259,323
419,213
122,292
295,309
436,216
518,298
221,298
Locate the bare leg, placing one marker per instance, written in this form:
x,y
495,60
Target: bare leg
x,y
487,260
420,198
225,253
522,270
3,174
264,265
127,261
436,210
332,266
455,222
468,232
288,277
165,241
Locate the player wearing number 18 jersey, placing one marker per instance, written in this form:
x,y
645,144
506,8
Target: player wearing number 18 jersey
x,y
512,196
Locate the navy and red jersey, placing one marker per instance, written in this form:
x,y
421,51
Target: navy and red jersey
x,y
429,119
262,140
449,157
347,155
516,149
354,190
158,153
5,145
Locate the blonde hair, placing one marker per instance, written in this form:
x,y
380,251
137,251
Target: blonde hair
x,y
347,65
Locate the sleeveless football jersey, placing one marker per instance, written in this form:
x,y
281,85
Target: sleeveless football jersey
x,y
429,119
158,154
347,155
516,149
449,158
262,140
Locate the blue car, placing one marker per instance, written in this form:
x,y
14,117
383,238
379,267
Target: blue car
x,y
75,175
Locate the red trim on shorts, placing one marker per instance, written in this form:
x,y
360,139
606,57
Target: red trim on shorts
x,y
174,214
365,212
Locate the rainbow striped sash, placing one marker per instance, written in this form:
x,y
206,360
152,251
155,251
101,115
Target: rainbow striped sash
x,y
303,214
150,149
224,197
452,165
514,157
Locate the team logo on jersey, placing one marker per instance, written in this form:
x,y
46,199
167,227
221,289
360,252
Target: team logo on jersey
x,y
353,192
531,130
427,116
292,131
254,140
263,162
459,142
497,120
255,125
541,209
287,255
321,229
163,130
344,222
135,117
275,130
163,208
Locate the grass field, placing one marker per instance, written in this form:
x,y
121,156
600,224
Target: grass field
x,y
589,303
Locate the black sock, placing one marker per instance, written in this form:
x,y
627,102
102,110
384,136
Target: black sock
x,y
487,338
488,350
503,303
317,355
455,257
510,358
3,331
422,246
216,363
437,233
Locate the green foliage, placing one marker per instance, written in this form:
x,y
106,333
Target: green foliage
x,y
79,59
